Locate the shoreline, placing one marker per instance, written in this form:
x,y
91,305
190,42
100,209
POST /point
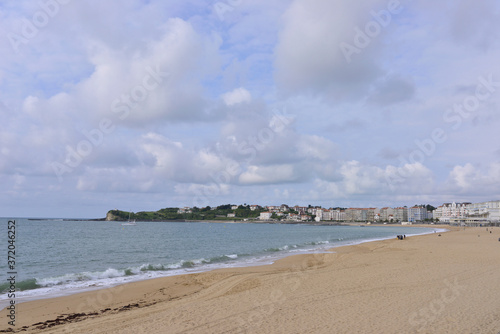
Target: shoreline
x,y
241,263
249,221
139,297
39,294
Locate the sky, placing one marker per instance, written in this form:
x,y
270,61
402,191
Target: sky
x,y
145,104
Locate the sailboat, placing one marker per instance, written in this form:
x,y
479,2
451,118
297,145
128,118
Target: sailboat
x,y
129,222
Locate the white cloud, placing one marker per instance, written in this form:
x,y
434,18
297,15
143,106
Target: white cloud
x,y
138,86
117,180
469,179
357,180
309,57
268,175
315,127
201,195
238,95
316,147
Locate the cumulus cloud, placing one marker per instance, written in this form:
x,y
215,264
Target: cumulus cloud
x,y
130,86
116,180
474,180
316,147
260,105
238,95
268,175
171,160
143,86
358,180
309,58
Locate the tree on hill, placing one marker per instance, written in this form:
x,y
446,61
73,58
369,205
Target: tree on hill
x,y
428,207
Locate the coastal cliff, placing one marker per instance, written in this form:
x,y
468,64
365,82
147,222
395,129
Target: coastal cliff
x,y
110,216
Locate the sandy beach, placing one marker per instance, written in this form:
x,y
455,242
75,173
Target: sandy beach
x,y
422,284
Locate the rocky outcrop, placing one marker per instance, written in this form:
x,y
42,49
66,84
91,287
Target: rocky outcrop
x,y
111,217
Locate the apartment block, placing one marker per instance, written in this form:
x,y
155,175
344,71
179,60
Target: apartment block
x,y
487,210
265,215
360,214
401,214
386,214
417,213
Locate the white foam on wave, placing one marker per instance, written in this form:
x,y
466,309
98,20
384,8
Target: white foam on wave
x,y
80,277
86,281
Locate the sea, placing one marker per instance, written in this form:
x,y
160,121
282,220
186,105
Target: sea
x,y
56,257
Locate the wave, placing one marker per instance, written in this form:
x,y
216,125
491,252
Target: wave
x,y
314,243
97,278
148,270
83,277
281,249
28,284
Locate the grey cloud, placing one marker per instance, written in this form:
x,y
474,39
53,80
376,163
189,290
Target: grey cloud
x,y
475,23
352,124
392,90
388,153
308,55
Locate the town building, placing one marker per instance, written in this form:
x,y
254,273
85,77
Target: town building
x,y
490,211
437,213
265,215
300,209
417,213
386,214
339,215
360,214
451,211
401,214
284,208
327,214
185,209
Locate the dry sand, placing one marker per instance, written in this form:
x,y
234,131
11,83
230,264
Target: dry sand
x,y
423,284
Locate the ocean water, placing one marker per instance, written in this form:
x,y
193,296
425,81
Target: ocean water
x,y
56,257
